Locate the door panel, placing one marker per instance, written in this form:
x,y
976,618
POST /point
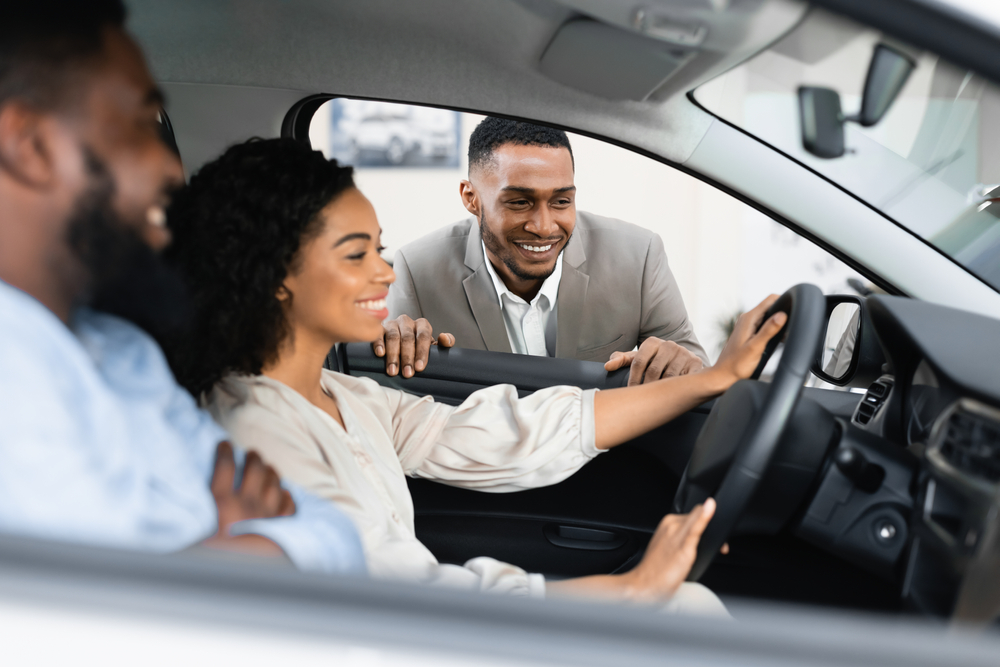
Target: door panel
x,y
456,539
623,493
595,521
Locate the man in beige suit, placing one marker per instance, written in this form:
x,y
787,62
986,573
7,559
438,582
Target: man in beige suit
x,y
528,273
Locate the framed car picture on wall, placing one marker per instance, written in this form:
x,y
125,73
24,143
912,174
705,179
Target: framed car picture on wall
x,y
367,133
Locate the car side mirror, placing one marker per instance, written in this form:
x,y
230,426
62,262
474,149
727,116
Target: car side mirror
x,y
821,117
850,354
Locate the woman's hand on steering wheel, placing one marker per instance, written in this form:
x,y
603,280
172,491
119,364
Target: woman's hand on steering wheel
x,y
669,556
746,345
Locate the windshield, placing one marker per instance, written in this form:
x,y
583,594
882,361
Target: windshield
x,y
926,165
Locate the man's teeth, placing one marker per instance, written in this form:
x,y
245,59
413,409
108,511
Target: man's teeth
x,y
156,216
373,304
535,248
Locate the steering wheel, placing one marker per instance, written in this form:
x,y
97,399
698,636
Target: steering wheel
x,y
742,432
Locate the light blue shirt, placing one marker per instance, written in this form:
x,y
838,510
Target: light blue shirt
x,y
99,445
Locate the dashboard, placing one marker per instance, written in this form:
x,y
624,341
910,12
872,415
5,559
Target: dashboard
x,y
911,491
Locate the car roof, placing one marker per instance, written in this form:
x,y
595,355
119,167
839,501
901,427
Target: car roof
x,y
482,56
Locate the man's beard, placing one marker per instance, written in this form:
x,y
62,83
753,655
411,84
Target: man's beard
x,y
496,246
124,275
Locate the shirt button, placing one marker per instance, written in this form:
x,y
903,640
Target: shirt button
x,y
395,517
362,458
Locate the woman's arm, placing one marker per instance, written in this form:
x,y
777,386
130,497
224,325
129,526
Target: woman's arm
x,y
626,413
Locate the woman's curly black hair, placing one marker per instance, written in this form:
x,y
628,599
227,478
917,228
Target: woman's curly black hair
x,y
237,228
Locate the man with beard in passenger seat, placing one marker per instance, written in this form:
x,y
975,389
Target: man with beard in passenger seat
x,y
98,444
529,274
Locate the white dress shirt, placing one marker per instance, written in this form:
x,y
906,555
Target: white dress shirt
x,y
494,441
99,445
531,326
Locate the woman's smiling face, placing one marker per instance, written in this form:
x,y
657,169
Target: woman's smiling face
x,y
337,285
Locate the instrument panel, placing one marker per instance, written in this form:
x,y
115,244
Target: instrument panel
x,y
938,402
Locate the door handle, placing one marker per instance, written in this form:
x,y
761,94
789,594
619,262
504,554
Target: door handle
x,y
589,539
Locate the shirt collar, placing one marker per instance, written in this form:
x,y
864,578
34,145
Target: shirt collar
x,y
549,288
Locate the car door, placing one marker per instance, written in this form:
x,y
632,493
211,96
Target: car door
x,y
596,521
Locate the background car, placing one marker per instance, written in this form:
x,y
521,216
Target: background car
x,y
367,133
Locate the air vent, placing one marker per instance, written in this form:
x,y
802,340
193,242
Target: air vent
x,y
873,400
971,443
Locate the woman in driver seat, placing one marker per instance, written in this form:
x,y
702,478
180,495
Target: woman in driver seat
x,y
282,255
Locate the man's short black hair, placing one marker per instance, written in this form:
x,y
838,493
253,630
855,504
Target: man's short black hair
x,y
493,133
43,41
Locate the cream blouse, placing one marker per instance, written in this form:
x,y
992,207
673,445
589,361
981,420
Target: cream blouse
x,y
493,442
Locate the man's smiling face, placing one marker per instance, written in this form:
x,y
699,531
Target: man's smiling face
x,y
525,201
84,174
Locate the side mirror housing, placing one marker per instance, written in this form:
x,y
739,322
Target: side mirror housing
x,y
850,354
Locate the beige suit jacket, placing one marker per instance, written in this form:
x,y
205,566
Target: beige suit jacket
x,y
616,290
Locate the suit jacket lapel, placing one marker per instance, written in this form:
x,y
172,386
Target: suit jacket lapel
x,y
572,295
482,295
